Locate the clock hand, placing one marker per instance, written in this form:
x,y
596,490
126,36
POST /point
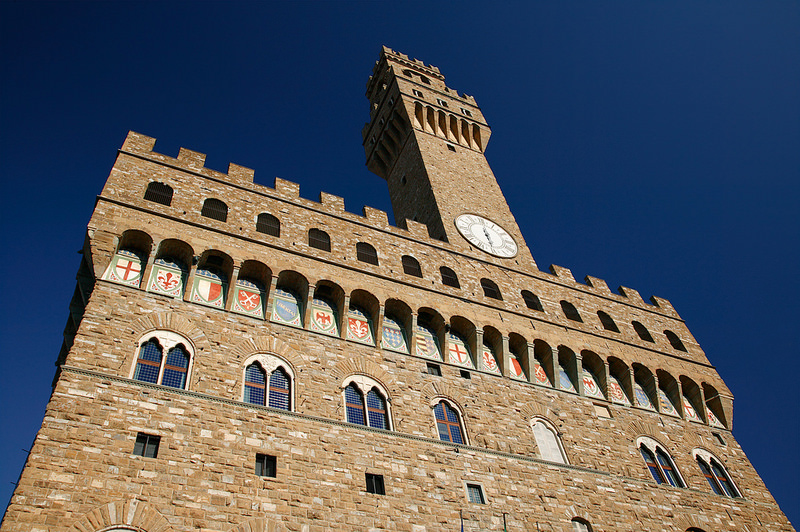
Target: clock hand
x,y
489,238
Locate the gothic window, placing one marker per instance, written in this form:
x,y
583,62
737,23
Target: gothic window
x,y
490,289
532,301
715,474
366,253
411,266
608,323
268,224
570,311
125,268
642,331
548,442
659,462
159,193
581,525
268,382
215,209
448,423
319,239
154,367
370,410
449,277
674,341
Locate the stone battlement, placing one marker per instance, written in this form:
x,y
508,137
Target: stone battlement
x,y
243,177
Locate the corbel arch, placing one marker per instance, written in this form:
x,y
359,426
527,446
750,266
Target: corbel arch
x,y
360,366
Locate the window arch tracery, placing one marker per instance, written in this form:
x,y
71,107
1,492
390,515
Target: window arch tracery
x,y
366,402
153,366
268,381
715,473
659,463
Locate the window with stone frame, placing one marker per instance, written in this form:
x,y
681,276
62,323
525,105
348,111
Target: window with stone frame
x,y
164,358
659,463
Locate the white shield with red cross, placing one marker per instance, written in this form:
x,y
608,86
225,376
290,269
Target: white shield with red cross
x,y
457,348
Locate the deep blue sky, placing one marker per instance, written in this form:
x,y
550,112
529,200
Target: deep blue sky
x,y
652,144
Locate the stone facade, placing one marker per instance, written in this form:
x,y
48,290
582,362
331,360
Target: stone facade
x,y
84,473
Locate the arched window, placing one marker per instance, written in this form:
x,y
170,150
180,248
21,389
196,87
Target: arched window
x,y
659,462
215,209
490,289
608,323
449,277
366,253
153,367
715,474
268,224
674,341
548,442
319,239
448,423
570,311
411,266
532,301
372,412
268,382
642,331
159,193
581,525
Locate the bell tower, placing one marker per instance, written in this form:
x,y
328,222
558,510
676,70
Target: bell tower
x,y
428,142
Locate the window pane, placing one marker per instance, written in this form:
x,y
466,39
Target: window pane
x,y
715,487
376,410
149,363
475,494
723,479
668,468
279,390
650,460
176,368
354,405
268,224
254,385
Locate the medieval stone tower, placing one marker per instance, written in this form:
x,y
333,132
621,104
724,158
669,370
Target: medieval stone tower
x,y
238,358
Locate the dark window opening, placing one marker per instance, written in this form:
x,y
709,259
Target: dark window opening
x,y
366,253
266,465
475,494
449,277
159,193
319,239
375,484
411,266
570,311
268,224
674,341
434,369
719,439
608,323
215,209
490,289
465,374
643,333
451,147
146,445
532,301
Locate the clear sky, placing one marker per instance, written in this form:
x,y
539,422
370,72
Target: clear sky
x,y
655,145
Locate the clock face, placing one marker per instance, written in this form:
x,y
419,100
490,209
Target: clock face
x,y
486,235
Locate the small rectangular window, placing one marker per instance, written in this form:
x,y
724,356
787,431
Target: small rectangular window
x,y
441,102
451,147
475,494
417,93
266,465
146,445
719,439
465,374
466,112
434,369
375,484
602,411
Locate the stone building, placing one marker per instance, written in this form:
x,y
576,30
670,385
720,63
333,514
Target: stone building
x,y
238,358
